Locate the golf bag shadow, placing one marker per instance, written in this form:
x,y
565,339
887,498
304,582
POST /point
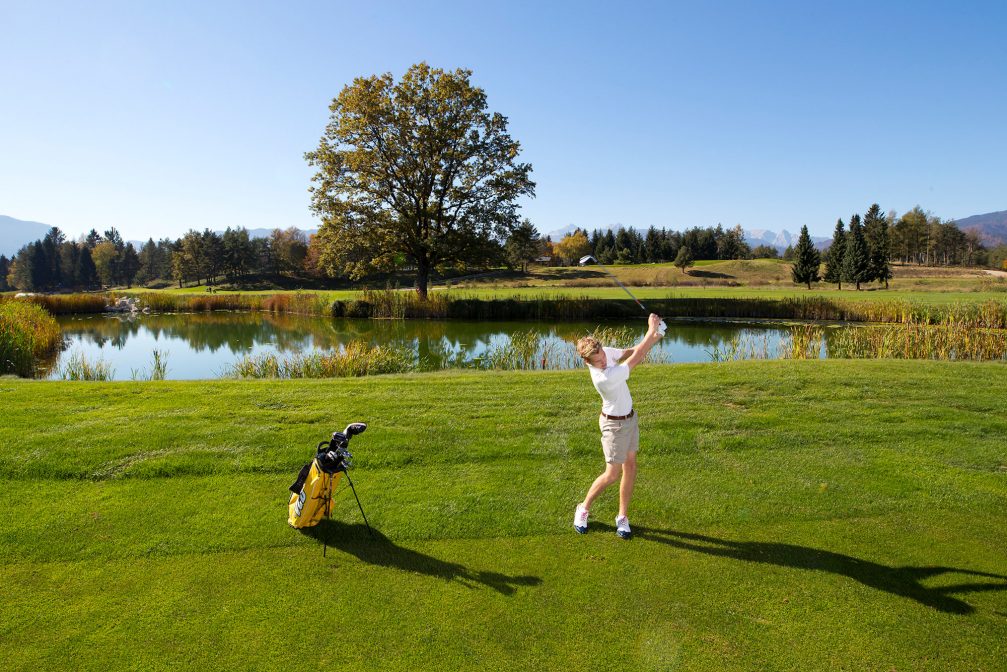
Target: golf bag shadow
x,y
311,494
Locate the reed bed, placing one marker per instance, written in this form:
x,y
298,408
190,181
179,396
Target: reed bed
x,y
79,367
356,359
404,304
529,351
197,303
66,304
28,335
741,348
914,340
804,341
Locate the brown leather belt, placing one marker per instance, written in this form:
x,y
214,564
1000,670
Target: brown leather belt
x,y
619,417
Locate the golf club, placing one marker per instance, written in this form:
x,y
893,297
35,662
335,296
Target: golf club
x,y
587,257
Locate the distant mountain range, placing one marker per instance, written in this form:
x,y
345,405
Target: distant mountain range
x,y
991,227
16,233
782,240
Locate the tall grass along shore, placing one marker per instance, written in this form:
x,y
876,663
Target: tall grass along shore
x,y
29,335
394,304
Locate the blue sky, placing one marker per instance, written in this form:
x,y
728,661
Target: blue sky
x,y
160,117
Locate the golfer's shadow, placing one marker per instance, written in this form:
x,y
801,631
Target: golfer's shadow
x,y
902,581
382,551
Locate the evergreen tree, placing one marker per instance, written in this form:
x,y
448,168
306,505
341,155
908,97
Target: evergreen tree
x,y
239,254
834,255
148,263
670,245
130,264
652,246
523,245
856,261
624,247
85,271
684,258
805,268
40,273
872,223
68,252
610,241
50,250
4,270
878,245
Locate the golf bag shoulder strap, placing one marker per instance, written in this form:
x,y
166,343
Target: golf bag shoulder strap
x,y
301,477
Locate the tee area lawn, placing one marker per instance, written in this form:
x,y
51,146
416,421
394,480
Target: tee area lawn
x,y
789,515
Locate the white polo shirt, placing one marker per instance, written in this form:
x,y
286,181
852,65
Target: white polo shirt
x,y
611,384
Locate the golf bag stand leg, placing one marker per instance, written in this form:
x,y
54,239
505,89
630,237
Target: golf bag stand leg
x,y
359,505
328,514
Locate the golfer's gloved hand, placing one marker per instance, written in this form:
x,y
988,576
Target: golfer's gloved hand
x,y
656,323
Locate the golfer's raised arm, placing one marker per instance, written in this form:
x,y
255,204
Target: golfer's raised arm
x,y
641,349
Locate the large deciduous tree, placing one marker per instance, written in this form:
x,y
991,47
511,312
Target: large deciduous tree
x,y
573,246
418,169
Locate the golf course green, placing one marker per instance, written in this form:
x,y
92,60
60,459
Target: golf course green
x,y
788,515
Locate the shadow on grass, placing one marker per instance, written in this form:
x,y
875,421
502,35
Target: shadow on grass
x,y
700,273
381,551
902,581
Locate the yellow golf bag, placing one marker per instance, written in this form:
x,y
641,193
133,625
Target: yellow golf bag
x,y
311,494
312,498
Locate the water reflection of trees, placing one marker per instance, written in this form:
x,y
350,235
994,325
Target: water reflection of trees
x,y
436,343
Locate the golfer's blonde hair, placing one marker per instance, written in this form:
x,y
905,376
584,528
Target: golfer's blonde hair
x,y
587,346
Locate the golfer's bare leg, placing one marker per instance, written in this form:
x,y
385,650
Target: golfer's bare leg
x,y
607,478
626,485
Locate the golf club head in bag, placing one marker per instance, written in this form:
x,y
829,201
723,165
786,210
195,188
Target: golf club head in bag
x,y
334,455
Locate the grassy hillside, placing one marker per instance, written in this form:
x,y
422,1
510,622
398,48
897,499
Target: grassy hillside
x,y
760,278
789,515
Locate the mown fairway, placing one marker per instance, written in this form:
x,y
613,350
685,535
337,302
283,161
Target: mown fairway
x,y
789,515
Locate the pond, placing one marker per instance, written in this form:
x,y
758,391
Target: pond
x,y
206,345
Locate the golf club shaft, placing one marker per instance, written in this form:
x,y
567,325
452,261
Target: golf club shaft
x,y
623,287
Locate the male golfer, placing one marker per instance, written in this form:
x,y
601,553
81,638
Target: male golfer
x,y
620,428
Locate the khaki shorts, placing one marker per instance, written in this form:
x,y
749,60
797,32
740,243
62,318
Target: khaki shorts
x,y
619,438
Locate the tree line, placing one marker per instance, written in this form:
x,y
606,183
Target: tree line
x,y
628,246
860,252
96,260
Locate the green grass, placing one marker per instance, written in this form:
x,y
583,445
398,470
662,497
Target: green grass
x,y
789,515
711,291
739,278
